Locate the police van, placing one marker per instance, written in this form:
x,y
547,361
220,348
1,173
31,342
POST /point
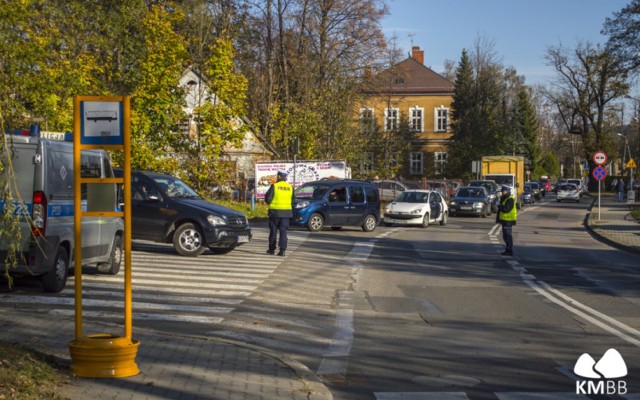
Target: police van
x,y
44,180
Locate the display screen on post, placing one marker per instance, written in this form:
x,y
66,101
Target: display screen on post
x,y
101,122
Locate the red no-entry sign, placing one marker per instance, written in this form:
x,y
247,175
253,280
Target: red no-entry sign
x,y
600,157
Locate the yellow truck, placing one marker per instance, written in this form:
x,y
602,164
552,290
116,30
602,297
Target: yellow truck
x,y
506,170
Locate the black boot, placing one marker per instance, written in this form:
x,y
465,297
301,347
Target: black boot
x,y
281,253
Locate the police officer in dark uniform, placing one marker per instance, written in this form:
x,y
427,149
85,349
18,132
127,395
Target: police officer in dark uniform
x,y
279,197
507,215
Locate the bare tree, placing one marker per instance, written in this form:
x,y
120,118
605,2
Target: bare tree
x,y
589,79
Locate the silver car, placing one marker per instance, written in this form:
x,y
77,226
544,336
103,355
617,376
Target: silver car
x,y
568,191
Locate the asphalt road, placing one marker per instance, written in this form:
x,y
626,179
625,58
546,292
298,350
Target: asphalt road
x,y
401,312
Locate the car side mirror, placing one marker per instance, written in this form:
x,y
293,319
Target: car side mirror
x,y
517,185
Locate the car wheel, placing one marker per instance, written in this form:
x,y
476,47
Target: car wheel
x,y
444,219
369,223
112,267
316,222
188,241
425,220
558,200
578,201
221,250
56,279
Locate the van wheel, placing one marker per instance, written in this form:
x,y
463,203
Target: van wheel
x,y
316,222
187,240
425,220
56,279
445,218
112,267
369,223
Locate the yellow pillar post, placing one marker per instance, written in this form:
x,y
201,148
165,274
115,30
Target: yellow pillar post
x,y
103,355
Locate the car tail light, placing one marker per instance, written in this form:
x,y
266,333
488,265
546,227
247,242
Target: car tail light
x,y
39,214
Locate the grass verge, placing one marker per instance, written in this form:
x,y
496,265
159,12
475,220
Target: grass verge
x,y
26,374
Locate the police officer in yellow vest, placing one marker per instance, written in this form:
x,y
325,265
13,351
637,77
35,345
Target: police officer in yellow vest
x,y
279,197
507,215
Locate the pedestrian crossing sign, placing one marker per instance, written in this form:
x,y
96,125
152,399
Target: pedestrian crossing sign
x,y
631,164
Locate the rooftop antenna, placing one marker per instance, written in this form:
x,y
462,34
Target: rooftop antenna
x,y
411,35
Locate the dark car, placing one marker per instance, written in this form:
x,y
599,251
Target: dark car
x,y
527,194
165,209
493,189
337,203
535,190
470,200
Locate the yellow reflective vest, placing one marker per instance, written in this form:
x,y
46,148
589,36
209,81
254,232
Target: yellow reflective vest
x,y
511,215
282,196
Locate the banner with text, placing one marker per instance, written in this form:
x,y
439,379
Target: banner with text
x,y
305,171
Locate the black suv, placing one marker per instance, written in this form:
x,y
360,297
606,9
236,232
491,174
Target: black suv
x,y
165,209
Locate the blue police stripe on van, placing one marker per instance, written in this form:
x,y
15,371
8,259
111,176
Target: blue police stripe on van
x,y
54,210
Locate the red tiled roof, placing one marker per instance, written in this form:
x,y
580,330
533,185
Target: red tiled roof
x,y
408,77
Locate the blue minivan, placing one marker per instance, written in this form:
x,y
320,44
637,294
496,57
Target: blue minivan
x,y
337,203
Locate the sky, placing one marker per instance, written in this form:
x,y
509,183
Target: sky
x,y
521,30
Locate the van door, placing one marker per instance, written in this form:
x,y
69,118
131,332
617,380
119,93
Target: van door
x,y
357,205
338,206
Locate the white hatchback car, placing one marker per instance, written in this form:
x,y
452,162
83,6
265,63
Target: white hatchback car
x,y
417,207
568,191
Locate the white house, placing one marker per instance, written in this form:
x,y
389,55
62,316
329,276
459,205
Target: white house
x,y
253,148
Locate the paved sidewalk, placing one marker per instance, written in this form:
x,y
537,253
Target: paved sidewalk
x,y
172,367
614,224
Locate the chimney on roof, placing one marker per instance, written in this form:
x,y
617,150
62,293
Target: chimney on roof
x,y
417,54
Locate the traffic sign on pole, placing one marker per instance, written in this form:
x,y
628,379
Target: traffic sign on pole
x,y
600,157
599,173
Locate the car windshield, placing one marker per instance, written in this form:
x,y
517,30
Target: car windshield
x,y
412,197
175,188
487,185
566,187
469,192
501,179
312,191
527,189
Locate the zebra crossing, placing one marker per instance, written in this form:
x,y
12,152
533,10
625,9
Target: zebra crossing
x,y
167,287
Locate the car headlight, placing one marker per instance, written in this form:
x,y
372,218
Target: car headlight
x,y
302,204
216,221
387,210
416,211
477,204
453,203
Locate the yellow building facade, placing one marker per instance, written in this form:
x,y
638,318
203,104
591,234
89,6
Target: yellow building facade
x,y
413,102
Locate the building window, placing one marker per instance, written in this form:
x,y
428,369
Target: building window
x,y
415,163
366,118
442,119
440,159
416,119
366,164
390,119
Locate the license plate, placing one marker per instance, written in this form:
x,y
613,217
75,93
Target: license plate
x,y
466,208
243,239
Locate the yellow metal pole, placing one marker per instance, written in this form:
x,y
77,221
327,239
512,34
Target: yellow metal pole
x,y
127,218
77,215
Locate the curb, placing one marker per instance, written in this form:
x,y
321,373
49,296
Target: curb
x,y
602,238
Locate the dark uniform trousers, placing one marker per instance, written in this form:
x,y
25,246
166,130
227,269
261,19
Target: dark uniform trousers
x,y
278,225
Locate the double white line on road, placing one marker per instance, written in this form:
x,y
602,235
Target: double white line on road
x,y
597,318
